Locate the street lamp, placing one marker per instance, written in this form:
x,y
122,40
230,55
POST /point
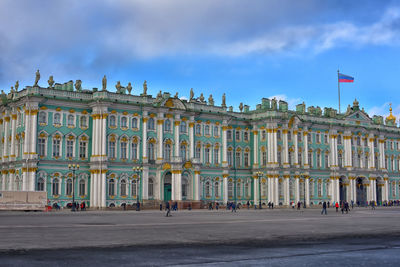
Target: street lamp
x,y
137,170
260,175
73,167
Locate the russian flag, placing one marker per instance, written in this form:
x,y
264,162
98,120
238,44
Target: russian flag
x,y
345,78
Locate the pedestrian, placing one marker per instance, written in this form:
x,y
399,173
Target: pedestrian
x,y
352,204
217,206
342,206
167,208
190,206
138,206
269,205
233,207
160,206
329,204
293,205
272,205
373,204
324,208
346,207
210,207
337,206
298,205
248,204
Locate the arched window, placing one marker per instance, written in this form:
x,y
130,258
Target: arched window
x,y
82,187
42,117
216,155
41,146
246,190
150,124
311,188
167,126
328,188
151,188
113,121
216,131
111,187
167,151
56,186
183,152
207,130
57,118
124,147
340,160
207,155
123,187
71,121
68,190
134,123
280,187
264,187
239,189
216,189
83,122
151,151
207,189
319,188
111,148
198,129
70,146
291,188
183,127
134,150
124,122
230,190
40,184
134,188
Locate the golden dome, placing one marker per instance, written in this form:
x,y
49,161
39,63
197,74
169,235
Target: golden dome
x,y
391,117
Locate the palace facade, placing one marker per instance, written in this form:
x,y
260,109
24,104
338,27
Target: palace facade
x,y
153,149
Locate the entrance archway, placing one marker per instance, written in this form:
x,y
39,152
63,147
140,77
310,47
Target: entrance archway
x,y
167,186
342,189
361,191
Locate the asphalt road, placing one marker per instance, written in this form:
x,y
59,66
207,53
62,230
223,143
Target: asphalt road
x,y
147,238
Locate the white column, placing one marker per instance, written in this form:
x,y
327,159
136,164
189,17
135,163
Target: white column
x,y
11,178
305,150
145,182
381,152
270,147
296,149
33,133
26,138
275,145
285,148
160,137
256,149
225,177
347,150
178,184
6,136
196,189
144,139
276,187
176,137
297,189
13,132
351,189
334,153
103,189
191,139
104,137
270,189
256,189
91,192
371,160
307,186
286,190
386,189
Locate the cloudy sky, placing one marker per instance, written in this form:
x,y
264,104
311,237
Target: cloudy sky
x,y
248,49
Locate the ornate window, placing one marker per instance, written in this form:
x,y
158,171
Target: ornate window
x,y
238,157
68,190
246,190
207,189
150,124
207,155
40,184
311,188
134,123
279,157
326,160
82,148
309,138
246,159
134,150
318,159
239,189
42,117
124,146
134,188
299,137
280,187
207,130
229,135
167,126
198,152
18,184
111,187
230,190
318,138
264,158
183,127
185,186
216,131
326,139
113,121
56,187
82,187
151,188
198,129
151,151
123,188
339,139
42,146
70,147
246,136
291,188
124,122
264,188
328,188
237,135
56,147
71,120
167,151
300,158
263,135
183,152
319,188
216,155
57,119
83,122
278,135
230,157
111,148
340,160
216,189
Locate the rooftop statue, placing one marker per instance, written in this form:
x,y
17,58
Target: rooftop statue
x,y
129,88
145,87
104,83
176,95
120,88
159,96
191,94
201,98
223,101
241,106
16,86
211,100
37,78
50,81
12,89
78,85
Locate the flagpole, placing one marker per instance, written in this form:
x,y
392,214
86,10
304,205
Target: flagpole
x,y
338,86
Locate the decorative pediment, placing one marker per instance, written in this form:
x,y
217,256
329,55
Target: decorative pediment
x,y
166,166
174,103
188,165
359,116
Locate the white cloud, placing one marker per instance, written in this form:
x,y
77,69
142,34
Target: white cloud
x,y
383,110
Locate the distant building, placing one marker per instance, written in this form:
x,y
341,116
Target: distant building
x,y
191,151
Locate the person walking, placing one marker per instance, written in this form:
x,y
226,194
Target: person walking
x,y
352,204
248,204
323,208
168,209
373,204
337,206
346,207
217,206
298,205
